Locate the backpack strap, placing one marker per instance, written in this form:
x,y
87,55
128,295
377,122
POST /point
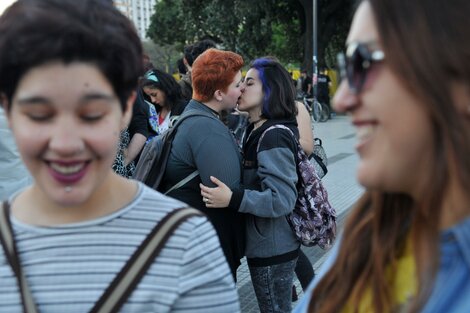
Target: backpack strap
x,y
182,182
274,127
157,169
126,280
8,242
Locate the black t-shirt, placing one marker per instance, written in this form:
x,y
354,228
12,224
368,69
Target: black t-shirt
x,y
323,83
141,113
305,82
140,116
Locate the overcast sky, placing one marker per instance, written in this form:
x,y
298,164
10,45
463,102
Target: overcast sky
x,y
4,4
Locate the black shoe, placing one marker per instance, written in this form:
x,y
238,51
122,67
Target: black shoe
x,y
295,297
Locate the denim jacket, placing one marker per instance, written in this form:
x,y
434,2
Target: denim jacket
x,y
451,291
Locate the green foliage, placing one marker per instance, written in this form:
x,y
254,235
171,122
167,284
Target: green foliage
x,y
163,26
163,57
251,28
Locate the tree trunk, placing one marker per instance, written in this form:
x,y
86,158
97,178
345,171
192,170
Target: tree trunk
x,y
307,33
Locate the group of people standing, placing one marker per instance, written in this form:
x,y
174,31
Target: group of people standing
x,y
70,101
76,193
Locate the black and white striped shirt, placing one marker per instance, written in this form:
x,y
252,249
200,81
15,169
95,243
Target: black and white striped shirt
x,y
68,267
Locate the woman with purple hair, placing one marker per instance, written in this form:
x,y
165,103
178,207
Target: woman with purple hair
x,y
269,183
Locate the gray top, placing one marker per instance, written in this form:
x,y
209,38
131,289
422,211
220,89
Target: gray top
x,y
269,193
69,266
13,173
205,144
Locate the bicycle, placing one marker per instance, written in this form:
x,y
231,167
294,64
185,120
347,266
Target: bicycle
x,y
320,112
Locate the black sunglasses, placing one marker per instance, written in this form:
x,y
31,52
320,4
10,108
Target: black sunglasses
x,y
355,64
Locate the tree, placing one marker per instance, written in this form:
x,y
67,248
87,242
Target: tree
x,y
163,57
282,28
333,20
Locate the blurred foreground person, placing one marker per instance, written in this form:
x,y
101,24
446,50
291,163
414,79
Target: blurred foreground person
x,y
77,226
406,244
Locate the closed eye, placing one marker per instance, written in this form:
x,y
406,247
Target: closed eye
x,y
92,118
40,117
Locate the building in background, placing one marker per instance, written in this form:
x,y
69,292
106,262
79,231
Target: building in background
x,y
139,12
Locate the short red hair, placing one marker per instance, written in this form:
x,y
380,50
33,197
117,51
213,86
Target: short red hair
x,y
214,70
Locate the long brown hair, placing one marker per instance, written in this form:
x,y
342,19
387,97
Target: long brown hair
x,y
426,45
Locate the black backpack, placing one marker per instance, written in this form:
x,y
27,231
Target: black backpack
x,y
152,163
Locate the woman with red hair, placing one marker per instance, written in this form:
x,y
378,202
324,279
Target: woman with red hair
x,y
205,144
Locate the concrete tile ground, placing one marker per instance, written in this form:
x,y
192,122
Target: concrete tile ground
x,y
338,138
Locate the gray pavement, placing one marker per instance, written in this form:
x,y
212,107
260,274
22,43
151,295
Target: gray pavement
x,y
338,138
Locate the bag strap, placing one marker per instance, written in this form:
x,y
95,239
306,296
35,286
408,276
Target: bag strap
x,y
182,182
126,280
273,127
190,113
8,242
156,166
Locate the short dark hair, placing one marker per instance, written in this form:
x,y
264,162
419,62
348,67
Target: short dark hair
x,y
35,32
181,68
198,48
279,92
187,54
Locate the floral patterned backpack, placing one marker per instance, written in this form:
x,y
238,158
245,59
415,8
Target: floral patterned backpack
x,y
313,219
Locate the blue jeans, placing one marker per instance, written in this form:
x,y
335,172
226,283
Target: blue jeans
x,y
273,286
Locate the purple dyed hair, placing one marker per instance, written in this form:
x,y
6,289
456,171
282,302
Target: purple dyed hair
x,y
260,64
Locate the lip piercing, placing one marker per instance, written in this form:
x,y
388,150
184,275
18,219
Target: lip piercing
x,y
68,189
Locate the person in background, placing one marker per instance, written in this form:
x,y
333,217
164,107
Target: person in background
x,y
269,189
304,269
181,68
185,81
405,246
76,226
13,174
120,166
159,103
205,144
323,88
304,123
166,101
306,83
191,52
138,130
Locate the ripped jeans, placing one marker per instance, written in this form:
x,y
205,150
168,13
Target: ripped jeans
x,y
273,286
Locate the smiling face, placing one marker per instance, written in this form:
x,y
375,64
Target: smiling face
x,y
393,129
66,120
251,100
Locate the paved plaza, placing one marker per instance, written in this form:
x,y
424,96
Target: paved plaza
x,y
338,138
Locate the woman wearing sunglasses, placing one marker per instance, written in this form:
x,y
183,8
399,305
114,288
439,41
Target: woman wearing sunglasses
x,y
406,243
